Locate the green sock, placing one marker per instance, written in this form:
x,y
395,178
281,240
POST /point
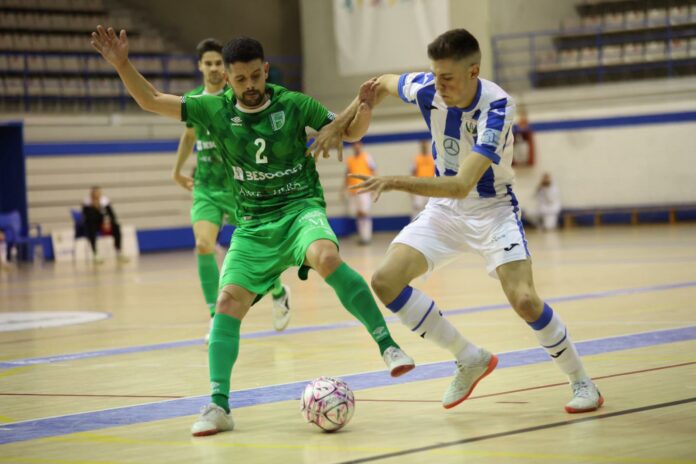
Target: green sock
x,y
223,348
277,290
209,275
356,297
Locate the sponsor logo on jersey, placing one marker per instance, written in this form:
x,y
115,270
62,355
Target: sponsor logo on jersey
x,y
451,146
236,121
242,175
277,120
205,145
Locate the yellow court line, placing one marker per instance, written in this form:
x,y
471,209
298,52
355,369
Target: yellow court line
x,y
53,461
7,420
15,370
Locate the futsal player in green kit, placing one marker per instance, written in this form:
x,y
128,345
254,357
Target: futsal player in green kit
x,y
211,189
260,130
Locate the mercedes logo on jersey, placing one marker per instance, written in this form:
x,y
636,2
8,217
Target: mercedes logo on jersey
x,y
451,146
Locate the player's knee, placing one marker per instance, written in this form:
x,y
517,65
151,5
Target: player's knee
x,y
225,303
232,305
527,305
328,261
204,246
384,286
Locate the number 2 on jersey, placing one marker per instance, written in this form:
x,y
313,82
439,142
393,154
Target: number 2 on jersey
x,y
260,158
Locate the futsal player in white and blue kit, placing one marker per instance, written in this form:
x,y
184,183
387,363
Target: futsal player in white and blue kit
x,y
474,209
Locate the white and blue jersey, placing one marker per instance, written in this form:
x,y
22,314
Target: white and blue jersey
x,y
485,127
487,221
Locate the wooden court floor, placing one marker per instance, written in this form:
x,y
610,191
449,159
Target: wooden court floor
x,y
126,388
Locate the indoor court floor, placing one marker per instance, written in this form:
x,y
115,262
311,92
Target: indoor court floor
x,y
126,387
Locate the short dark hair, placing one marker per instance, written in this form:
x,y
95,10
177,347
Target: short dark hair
x,y
455,44
208,45
244,49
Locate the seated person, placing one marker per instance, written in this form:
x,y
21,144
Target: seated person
x,y
98,216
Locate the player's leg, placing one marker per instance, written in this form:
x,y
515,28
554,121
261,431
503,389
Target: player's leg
x,y
206,217
420,314
364,220
233,303
518,285
205,233
93,221
116,233
317,246
281,305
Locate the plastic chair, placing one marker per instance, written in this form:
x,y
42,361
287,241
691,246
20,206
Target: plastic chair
x,y
11,225
78,222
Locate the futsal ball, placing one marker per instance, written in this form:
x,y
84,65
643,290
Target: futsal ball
x,y
328,403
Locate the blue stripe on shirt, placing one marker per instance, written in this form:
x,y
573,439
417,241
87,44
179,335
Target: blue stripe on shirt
x,y
400,88
425,98
496,114
453,123
488,152
486,184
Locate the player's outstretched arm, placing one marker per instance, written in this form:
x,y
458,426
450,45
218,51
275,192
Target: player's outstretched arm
x,y
345,126
186,142
459,186
114,49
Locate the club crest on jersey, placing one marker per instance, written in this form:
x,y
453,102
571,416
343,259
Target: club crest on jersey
x,y
451,146
278,120
471,127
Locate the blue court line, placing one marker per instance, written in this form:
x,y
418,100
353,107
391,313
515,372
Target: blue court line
x,y
150,412
319,328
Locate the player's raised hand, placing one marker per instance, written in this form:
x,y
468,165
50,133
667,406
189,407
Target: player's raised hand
x,y
112,48
376,184
367,95
329,137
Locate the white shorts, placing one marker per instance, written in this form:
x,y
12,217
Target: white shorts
x,y
490,227
361,202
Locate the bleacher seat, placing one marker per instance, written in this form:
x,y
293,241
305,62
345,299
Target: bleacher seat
x,y
635,19
655,51
633,52
612,54
657,17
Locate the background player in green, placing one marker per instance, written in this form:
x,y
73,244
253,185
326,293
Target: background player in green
x,y
261,131
212,198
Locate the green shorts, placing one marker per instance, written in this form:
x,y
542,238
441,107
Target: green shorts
x,y
259,254
212,205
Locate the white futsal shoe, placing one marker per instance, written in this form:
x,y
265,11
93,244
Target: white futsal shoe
x,y
213,419
281,310
586,397
397,361
466,376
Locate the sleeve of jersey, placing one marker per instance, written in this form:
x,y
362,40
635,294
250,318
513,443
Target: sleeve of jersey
x,y
192,111
315,114
493,126
410,84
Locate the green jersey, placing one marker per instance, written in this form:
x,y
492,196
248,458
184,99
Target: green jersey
x,y
264,151
210,170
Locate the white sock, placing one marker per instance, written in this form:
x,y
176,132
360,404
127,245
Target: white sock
x,y
553,337
420,314
365,228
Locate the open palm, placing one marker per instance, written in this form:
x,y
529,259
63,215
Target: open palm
x,y
112,48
